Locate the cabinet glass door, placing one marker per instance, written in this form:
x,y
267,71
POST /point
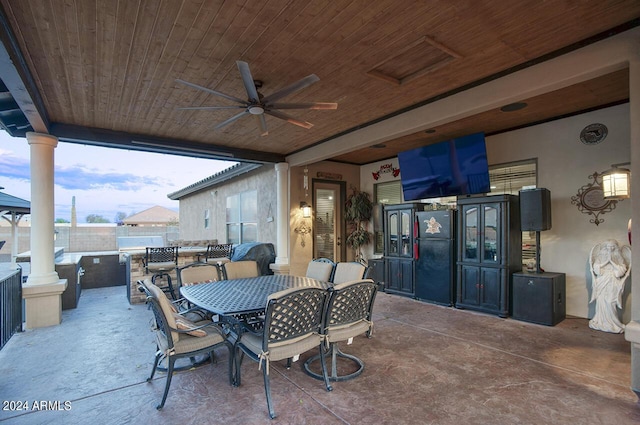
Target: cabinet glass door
x,y
392,233
490,234
470,234
406,230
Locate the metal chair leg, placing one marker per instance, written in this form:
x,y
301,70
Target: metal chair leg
x,y
155,365
168,383
267,390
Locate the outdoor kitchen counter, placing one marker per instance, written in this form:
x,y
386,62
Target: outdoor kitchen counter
x,y
186,255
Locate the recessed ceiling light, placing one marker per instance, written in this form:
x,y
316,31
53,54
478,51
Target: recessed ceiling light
x,y
513,107
430,131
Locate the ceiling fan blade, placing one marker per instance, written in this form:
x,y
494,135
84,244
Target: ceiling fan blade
x,y
289,119
232,119
210,108
313,105
298,85
262,124
217,93
247,79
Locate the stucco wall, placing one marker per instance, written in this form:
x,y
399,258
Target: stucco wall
x,y
564,164
262,180
300,256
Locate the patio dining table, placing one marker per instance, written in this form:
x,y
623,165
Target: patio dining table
x,y
239,300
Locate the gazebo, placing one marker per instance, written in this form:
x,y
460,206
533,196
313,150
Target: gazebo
x,y
13,209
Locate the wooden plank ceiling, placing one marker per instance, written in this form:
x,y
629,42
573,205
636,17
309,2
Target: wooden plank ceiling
x,y
106,70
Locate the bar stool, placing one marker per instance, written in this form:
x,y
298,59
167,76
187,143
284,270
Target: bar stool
x,y
161,261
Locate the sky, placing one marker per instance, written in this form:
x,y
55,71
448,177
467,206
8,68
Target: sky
x,y
104,181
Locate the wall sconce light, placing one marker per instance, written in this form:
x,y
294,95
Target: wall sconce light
x,y
616,182
306,209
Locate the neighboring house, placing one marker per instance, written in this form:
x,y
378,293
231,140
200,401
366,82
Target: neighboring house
x,y
235,205
153,217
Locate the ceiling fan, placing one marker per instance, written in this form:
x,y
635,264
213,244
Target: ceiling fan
x,y
258,105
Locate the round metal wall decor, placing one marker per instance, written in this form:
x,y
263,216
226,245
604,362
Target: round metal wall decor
x,y
590,200
593,134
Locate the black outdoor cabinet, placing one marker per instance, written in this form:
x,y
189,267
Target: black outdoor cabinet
x,y
489,252
376,271
399,243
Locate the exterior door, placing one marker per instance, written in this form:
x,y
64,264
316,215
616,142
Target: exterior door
x,y
328,229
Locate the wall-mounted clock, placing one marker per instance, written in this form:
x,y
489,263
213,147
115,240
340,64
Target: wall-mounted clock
x,y
593,134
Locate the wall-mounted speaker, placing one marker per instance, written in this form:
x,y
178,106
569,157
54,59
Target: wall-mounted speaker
x,y
535,209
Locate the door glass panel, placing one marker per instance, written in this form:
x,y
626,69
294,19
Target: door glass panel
x,y
490,233
471,233
325,224
393,233
406,233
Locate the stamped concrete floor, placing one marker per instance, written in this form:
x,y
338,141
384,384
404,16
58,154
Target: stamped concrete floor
x,y
425,364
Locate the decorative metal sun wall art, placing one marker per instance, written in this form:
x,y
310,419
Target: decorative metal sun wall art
x,y
590,200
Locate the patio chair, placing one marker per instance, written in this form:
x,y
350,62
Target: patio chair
x,y
320,269
240,269
194,274
348,315
348,271
161,261
292,327
217,253
178,338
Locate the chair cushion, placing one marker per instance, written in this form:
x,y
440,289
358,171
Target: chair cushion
x,y
190,343
319,270
283,349
350,330
161,266
198,274
165,305
217,260
240,269
348,271
185,324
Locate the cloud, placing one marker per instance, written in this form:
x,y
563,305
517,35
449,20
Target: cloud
x,y
14,167
80,178
104,181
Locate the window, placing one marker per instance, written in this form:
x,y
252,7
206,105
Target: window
x,y
510,179
387,193
242,217
206,219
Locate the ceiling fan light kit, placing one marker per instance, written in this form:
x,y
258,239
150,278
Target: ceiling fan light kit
x,y
259,105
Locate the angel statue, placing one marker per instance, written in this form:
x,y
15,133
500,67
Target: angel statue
x,y
610,266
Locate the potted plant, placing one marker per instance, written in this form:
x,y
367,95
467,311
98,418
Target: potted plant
x,y
357,213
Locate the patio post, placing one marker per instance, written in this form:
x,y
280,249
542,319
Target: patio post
x,y
43,289
632,330
282,266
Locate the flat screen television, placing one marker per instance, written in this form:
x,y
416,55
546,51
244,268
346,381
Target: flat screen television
x,y
450,168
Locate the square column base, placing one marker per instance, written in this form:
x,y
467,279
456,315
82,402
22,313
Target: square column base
x,y
43,303
280,268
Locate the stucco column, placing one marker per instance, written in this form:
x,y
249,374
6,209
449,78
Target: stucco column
x,y
632,331
43,289
282,266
